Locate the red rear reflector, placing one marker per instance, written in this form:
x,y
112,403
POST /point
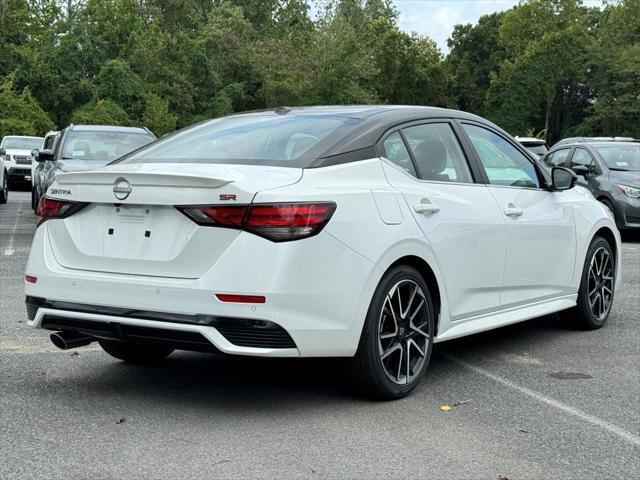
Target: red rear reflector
x,y
278,222
30,279
52,208
240,298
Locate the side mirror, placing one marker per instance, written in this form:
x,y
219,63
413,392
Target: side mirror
x,y
581,170
563,178
44,156
2,151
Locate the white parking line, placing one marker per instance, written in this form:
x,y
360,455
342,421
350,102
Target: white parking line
x,y
620,432
9,250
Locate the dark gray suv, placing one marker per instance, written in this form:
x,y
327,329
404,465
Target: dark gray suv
x,y
611,170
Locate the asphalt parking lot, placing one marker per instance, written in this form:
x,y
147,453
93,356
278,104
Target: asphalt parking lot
x,y
539,400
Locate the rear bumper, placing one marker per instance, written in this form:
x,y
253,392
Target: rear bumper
x,y
197,333
317,290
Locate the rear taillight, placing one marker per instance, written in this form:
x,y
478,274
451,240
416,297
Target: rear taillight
x,y
50,208
278,222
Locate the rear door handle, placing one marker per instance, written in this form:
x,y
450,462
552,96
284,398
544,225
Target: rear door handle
x,y
512,211
426,208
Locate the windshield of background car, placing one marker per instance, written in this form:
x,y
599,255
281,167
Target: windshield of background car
x,y
537,149
18,143
278,140
102,145
621,157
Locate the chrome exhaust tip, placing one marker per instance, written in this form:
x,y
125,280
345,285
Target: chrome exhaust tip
x,y
66,340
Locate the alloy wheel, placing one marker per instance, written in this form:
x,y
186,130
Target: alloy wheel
x,y
403,332
600,283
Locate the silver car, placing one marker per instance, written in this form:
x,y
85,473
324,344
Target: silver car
x,y
83,147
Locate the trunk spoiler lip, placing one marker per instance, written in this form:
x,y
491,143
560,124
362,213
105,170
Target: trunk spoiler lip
x,y
142,179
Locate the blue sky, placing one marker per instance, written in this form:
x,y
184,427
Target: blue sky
x,y
436,18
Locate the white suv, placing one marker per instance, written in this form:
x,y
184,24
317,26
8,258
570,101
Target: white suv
x,y
16,151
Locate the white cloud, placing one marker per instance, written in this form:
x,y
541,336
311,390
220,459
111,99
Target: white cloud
x,y
436,18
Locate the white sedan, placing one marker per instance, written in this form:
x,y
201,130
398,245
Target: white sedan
x,y
362,232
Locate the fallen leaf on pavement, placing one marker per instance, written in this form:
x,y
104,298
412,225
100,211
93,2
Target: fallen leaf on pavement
x,y
445,408
73,354
502,477
461,402
119,420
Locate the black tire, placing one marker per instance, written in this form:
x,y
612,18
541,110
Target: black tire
x,y
608,204
589,312
36,200
4,189
135,352
33,199
372,375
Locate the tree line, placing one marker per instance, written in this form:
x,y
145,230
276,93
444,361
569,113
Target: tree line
x,y
555,67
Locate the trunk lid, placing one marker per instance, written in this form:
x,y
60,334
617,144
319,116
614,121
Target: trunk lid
x,y
139,231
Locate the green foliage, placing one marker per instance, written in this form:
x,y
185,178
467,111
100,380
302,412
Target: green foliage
x,y
117,82
157,116
20,114
550,65
101,112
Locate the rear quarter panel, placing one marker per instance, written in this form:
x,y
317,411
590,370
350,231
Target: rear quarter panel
x,y
360,226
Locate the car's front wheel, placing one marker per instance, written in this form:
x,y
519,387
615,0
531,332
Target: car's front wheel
x,y
595,295
135,352
397,337
4,189
34,203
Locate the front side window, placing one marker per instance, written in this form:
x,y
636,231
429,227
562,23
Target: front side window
x,y
504,164
581,157
437,152
278,140
48,142
396,152
102,145
557,158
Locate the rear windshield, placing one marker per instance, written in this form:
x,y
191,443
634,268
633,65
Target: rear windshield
x,y
537,149
102,145
625,158
280,140
21,143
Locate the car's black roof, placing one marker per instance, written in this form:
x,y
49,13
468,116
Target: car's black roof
x,y
376,120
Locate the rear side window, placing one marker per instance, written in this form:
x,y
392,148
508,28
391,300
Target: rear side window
x,y
437,153
557,158
281,140
503,163
396,152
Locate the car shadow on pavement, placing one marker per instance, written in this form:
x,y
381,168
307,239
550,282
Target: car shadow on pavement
x,y
630,236
244,383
